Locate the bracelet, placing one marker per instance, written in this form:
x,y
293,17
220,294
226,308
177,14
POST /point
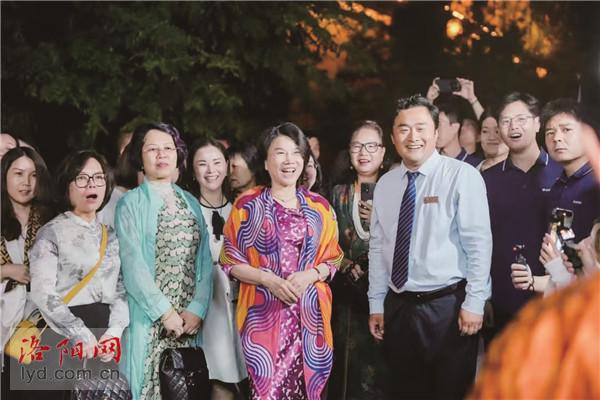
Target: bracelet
x,y
319,274
531,287
476,101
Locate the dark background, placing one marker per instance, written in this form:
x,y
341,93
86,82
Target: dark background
x,y
74,75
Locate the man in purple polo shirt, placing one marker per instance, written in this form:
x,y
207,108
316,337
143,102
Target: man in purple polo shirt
x,y
576,189
517,191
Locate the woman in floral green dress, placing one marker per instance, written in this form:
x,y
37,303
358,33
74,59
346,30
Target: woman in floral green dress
x,y
165,258
357,359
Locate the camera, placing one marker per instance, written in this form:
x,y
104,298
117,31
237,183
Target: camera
x,y
560,224
448,85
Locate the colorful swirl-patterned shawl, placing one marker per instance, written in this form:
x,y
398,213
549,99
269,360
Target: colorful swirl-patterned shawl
x,y
251,238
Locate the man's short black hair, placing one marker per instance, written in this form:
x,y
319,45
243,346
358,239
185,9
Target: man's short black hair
x,y
560,106
451,108
419,101
532,103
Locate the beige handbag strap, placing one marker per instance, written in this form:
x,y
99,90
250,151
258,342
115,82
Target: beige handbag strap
x,y
77,288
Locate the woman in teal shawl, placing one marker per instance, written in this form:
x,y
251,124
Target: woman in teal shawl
x,y
165,258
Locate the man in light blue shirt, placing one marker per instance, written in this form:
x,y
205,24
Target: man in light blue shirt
x,y
429,257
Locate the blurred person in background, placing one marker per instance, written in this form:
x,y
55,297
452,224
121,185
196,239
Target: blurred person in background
x,y
243,166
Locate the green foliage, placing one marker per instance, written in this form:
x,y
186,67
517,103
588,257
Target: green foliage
x,y
208,67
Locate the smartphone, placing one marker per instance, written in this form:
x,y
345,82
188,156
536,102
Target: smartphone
x,y
366,191
448,85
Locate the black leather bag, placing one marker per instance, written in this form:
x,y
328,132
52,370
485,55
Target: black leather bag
x,y
183,374
102,389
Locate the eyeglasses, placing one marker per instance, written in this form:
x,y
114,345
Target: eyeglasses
x,y
519,120
155,150
371,147
83,180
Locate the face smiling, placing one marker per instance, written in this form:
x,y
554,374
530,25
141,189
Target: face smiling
x,y
310,173
414,136
284,162
21,179
364,162
85,201
491,142
210,168
159,156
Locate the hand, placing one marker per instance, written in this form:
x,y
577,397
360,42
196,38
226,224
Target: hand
x,y
467,90
356,272
585,251
18,272
468,322
434,91
301,280
89,348
376,326
7,142
521,276
109,355
191,322
365,208
549,251
173,323
280,288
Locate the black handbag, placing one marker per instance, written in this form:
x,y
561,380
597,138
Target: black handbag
x,y
183,374
97,388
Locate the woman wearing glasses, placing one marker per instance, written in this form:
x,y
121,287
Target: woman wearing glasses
x,y
357,361
221,342
165,254
67,249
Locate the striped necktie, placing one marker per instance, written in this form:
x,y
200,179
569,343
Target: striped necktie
x,y
405,224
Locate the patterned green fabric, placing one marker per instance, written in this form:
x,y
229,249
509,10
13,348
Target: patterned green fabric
x,y
176,243
358,365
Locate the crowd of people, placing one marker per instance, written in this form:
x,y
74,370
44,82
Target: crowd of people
x,y
388,278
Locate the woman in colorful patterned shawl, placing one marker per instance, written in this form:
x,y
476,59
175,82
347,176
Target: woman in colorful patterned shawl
x,y
281,242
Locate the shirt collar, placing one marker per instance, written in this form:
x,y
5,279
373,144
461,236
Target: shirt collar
x,y
580,173
428,166
462,155
80,221
542,160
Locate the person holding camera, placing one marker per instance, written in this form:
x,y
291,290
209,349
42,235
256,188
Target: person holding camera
x,y
574,197
516,189
451,118
357,361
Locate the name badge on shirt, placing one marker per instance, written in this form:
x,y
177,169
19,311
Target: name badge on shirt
x,y
430,199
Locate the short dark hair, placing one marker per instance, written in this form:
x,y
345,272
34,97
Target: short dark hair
x,y
125,175
70,168
419,101
43,199
560,106
319,178
489,111
532,103
190,184
139,136
248,152
451,108
293,132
